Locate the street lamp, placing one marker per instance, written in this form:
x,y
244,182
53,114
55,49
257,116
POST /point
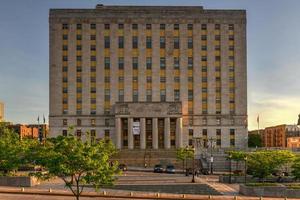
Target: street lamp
x,y
230,156
211,140
193,179
245,159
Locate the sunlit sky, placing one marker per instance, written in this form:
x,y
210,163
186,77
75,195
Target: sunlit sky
x,y
273,32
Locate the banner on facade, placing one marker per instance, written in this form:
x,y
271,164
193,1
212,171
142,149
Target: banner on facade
x,y
136,128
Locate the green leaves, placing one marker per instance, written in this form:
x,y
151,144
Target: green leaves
x,y
76,162
296,168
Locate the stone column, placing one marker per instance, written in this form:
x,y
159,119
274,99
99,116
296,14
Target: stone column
x,y
143,133
118,132
155,133
130,134
179,132
167,134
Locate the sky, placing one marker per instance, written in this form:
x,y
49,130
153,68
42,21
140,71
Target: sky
x,y
273,53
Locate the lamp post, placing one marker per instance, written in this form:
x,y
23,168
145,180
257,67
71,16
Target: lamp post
x,y
245,159
211,140
193,179
230,156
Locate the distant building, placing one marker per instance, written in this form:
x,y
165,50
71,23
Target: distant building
x,y
1,111
282,136
25,131
42,130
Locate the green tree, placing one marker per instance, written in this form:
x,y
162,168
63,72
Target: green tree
x,y
254,140
263,163
237,156
76,162
296,168
183,154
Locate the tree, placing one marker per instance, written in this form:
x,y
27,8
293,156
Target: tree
x,y
296,168
183,154
254,140
236,156
76,162
264,163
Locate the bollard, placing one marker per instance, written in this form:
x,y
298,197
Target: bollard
x,y
104,193
235,198
22,189
131,194
209,197
157,194
260,198
183,196
50,190
285,198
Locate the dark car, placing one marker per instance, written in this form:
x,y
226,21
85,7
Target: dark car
x,y
123,167
170,169
158,169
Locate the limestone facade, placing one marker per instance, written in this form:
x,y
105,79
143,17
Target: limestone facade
x,y
186,77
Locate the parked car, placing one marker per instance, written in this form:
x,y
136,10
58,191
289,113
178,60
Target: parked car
x,y
158,169
170,169
123,167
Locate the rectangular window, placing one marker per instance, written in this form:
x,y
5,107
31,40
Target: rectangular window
x,y
149,62
65,37
107,62
176,79
149,79
162,26
217,26
176,42
231,26
65,47
203,27
204,48
78,26
176,95
135,62
106,26
93,47
107,95
106,79
121,42
134,42
135,97
93,26
176,62
65,132
65,26
163,79
121,26
106,42
190,95
218,48
65,122
190,62
162,63
204,37
217,37
231,37
148,42
190,26
134,26
190,42
176,26
163,95
121,95
93,37
93,58
148,26
78,37
191,135
121,63
149,95
162,42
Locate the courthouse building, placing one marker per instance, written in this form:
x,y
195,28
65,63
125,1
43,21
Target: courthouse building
x,y
149,76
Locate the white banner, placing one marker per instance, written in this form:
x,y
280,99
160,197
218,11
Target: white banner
x,y
136,128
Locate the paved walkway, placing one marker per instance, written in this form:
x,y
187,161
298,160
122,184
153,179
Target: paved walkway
x,y
225,189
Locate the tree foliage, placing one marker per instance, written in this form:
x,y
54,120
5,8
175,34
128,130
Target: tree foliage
x,y
76,162
237,156
254,140
296,168
12,150
183,154
263,163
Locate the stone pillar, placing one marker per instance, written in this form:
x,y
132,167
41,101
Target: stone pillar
x,y
118,132
130,134
143,133
167,134
179,132
155,133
